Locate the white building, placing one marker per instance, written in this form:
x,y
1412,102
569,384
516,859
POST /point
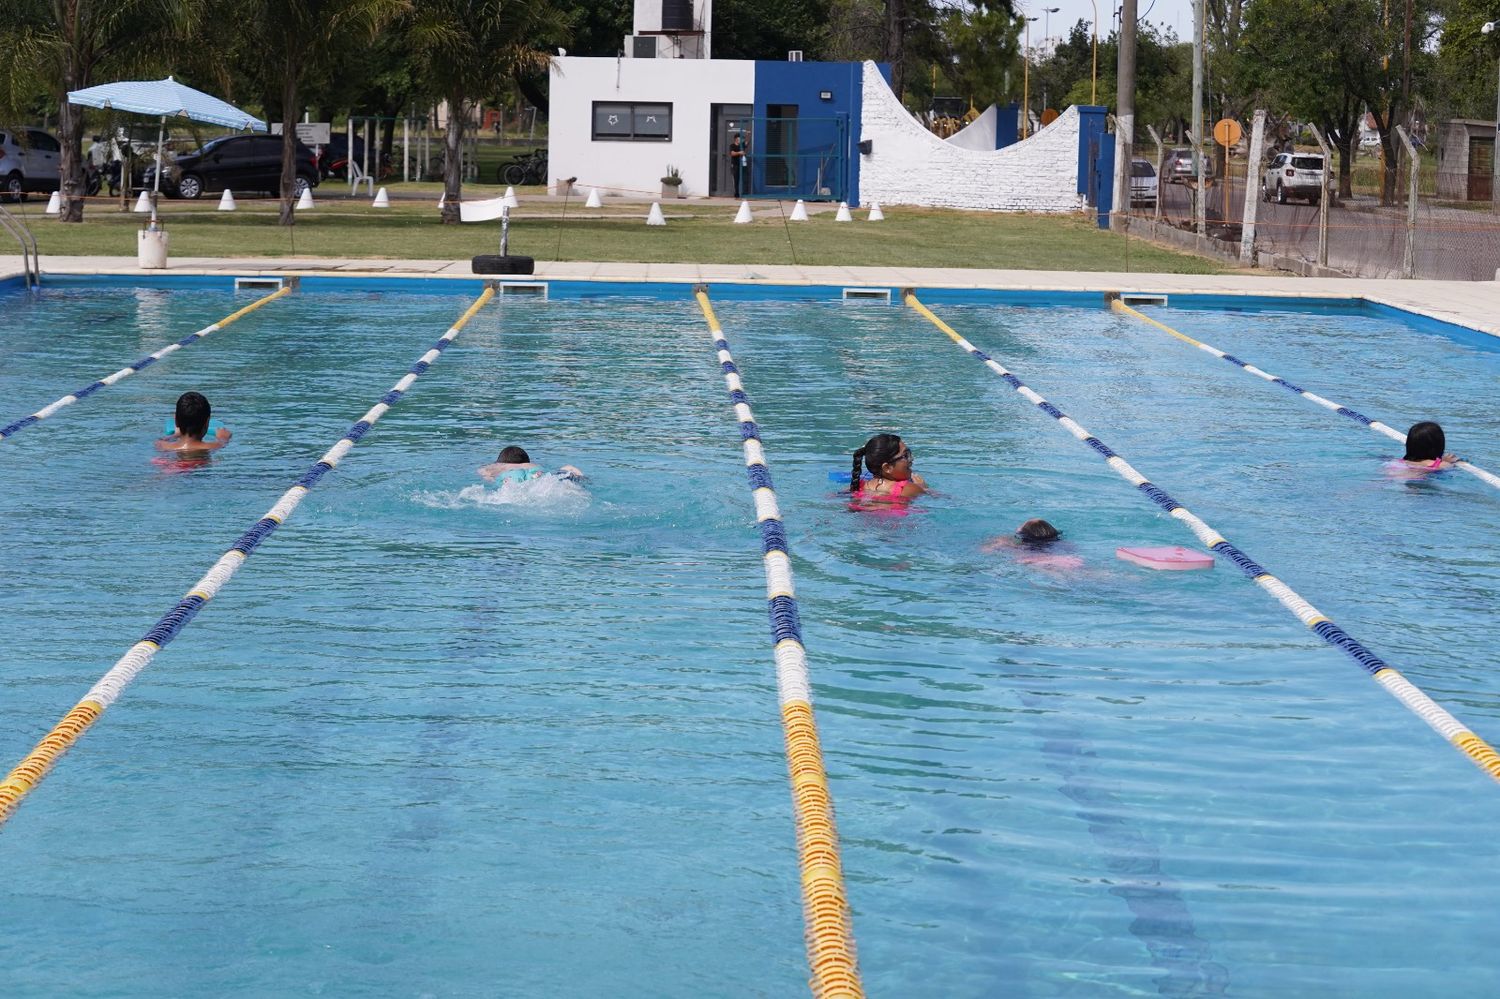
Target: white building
x,y
671,29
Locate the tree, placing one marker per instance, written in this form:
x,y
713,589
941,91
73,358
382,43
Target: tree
x,y
769,29
985,42
289,40
54,46
471,48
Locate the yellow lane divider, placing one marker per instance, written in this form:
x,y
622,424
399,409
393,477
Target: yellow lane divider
x,y
825,903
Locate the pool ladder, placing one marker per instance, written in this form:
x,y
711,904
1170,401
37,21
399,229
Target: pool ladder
x,y
31,260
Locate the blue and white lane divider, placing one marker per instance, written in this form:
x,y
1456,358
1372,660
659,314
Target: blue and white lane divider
x,y
30,771
1461,736
1329,404
11,429
825,902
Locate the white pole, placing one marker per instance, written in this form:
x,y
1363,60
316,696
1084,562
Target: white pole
x,y
1252,199
161,132
405,150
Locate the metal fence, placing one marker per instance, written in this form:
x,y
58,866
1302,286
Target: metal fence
x,y
1439,222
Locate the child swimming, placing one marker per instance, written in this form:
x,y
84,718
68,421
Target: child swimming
x,y
1425,451
889,461
192,419
515,465
1038,544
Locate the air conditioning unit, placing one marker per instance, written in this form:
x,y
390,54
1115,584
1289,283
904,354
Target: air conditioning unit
x,y
641,46
795,55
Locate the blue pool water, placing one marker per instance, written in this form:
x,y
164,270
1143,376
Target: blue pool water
x,y
437,742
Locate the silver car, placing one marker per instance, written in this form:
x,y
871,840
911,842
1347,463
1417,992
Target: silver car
x,y
1293,175
1143,182
28,162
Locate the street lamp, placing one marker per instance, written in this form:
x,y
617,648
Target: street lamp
x,y
1026,83
1485,29
1047,28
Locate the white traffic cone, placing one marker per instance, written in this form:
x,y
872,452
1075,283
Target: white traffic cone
x,y
305,202
656,217
54,204
382,200
143,203
876,215
442,200
510,198
742,217
594,200
843,215
226,201
799,213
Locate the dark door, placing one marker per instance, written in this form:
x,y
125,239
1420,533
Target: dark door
x,y
781,146
729,120
1481,168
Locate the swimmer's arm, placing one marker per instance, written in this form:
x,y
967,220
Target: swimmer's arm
x,y
488,472
167,443
918,486
570,472
223,435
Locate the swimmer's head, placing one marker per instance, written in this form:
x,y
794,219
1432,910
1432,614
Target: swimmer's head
x,y
885,456
193,413
1037,532
514,456
1425,442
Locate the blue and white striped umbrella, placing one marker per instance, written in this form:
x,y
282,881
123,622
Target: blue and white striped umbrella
x,y
165,99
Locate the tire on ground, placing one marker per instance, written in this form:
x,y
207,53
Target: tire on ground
x,y
493,263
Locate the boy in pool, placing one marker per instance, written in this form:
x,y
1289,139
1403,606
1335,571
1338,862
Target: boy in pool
x,y
1425,451
515,465
192,418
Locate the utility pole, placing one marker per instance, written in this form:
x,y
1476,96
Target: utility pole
x,y
1125,111
1201,206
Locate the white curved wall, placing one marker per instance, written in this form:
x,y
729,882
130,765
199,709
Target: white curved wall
x,y
978,134
908,165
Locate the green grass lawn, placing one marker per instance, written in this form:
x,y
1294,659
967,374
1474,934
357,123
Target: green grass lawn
x,y
696,233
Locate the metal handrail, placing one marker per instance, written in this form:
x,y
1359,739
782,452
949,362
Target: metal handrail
x,y
31,259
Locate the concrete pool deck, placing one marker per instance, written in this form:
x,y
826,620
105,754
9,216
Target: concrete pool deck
x,y
1475,304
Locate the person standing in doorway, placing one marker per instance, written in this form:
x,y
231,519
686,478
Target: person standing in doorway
x,y
737,163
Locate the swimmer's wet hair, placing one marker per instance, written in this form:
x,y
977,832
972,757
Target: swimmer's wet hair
x,y
876,454
193,414
514,456
1425,442
1037,532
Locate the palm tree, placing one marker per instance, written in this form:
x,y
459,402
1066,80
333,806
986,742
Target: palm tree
x,y
470,48
49,47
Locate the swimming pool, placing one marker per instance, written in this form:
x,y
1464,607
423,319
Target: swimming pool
x,y
434,741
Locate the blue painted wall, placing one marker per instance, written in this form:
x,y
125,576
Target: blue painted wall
x,y
1008,124
827,130
1096,160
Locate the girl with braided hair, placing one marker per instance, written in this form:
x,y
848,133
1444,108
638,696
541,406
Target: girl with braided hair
x,y
889,462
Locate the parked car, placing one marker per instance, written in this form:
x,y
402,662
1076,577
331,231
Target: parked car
x,y
1293,175
28,162
237,162
1143,182
1178,167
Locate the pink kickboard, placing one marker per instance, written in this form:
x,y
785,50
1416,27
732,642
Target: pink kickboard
x,y
1170,558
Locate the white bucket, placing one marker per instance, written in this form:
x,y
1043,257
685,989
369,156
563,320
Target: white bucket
x,y
151,249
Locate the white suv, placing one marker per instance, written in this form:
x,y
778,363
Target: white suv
x,y
28,162
1293,175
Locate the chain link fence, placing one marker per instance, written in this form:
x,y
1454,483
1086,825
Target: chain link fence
x,y
1442,225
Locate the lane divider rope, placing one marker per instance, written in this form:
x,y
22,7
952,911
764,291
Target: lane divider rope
x,y
1450,728
825,903
13,428
1357,417
30,771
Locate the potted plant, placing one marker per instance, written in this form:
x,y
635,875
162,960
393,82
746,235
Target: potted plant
x,y
671,184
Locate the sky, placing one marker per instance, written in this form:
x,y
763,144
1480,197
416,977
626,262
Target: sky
x,y
1174,14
